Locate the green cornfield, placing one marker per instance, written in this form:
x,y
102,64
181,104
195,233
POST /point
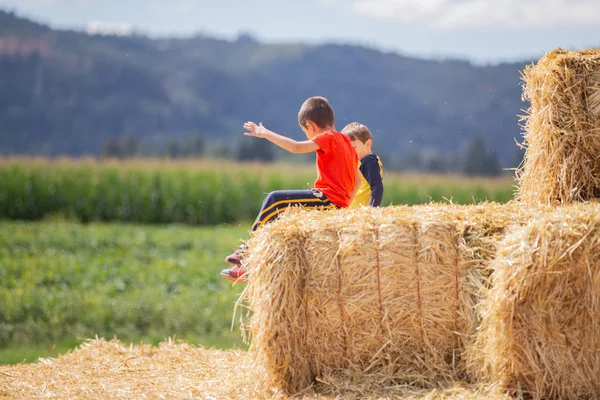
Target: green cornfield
x,y
191,192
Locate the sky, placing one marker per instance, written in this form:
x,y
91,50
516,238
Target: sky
x,y
482,31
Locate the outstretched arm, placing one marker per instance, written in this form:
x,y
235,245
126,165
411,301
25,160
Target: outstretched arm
x,y
286,143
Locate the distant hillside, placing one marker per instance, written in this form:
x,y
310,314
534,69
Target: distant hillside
x,y
67,91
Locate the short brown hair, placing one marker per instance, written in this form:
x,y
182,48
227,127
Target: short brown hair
x,y
318,110
356,131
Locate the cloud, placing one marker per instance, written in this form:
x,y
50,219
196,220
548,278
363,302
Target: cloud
x,y
41,2
462,14
108,28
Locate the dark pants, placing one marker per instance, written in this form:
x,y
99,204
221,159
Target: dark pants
x,y
278,201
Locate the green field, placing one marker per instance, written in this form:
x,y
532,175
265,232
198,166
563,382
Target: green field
x,y
192,192
61,282
134,248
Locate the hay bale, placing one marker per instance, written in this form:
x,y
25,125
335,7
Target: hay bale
x,y
540,333
377,296
562,161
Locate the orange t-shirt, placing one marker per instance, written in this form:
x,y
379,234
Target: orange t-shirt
x,y
337,164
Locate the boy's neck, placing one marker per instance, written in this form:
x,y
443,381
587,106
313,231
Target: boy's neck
x,y
321,130
368,153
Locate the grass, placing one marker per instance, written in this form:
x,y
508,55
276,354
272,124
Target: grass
x,y
19,354
31,353
62,281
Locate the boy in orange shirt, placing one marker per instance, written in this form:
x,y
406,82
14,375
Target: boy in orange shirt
x,y
338,176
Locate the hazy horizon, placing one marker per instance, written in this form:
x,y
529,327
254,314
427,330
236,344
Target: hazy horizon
x,y
472,30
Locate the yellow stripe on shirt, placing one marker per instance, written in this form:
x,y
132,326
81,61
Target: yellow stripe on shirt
x,y
363,197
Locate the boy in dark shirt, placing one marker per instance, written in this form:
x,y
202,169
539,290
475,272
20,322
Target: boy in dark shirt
x,y
371,188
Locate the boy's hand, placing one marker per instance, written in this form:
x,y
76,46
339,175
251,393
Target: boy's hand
x,y
284,142
255,130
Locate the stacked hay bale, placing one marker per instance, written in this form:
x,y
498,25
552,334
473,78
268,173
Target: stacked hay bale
x,y
562,162
392,296
540,333
541,319
376,296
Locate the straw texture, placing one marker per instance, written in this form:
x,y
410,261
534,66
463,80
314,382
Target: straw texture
x,y
111,370
562,160
108,369
540,334
370,296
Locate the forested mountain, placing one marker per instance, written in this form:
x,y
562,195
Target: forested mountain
x,y
67,92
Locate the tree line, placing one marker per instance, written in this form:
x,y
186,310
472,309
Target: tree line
x,y
476,160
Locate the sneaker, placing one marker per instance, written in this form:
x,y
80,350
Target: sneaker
x,y
237,273
237,256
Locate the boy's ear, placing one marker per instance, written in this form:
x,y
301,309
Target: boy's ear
x,y
311,126
369,142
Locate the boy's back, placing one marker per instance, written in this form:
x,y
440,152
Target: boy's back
x,y
336,167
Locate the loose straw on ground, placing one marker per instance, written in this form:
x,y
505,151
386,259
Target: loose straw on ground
x,y
108,369
540,333
111,370
562,129
371,296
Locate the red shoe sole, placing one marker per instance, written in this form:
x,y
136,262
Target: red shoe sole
x,y
241,279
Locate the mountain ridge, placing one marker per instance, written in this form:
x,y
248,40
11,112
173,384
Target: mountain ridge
x,y
67,92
